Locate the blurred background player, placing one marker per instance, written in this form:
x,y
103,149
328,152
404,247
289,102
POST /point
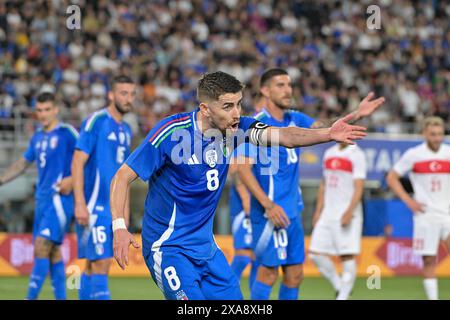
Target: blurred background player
x,y
103,146
52,146
178,241
276,195
241,228
428,165
278,238
338,218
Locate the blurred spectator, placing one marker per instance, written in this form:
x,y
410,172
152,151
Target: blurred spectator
x,y
334,60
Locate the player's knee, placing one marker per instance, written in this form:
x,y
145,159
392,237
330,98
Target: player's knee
x,y
429,261
314,256
42,248
294,277
55,254
100,266
267,275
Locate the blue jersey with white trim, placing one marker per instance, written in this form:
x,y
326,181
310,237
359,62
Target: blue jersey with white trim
x,y
277,168
53,153
107,142
186,173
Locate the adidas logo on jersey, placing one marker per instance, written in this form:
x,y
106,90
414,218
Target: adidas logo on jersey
x,y
193,160
112,136
46,232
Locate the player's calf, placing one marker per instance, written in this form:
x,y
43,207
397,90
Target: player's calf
x,y
57,273
42,249
265,279
348,276
99,279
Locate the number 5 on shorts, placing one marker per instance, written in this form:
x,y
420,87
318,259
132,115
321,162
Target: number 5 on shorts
x,y
172,278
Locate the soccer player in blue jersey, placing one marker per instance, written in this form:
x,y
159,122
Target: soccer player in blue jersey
x,y
52,147
240,225
184,158
103,146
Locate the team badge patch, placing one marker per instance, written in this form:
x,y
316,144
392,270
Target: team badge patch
x,y
282,255
181,295
53,142
211,158
99,249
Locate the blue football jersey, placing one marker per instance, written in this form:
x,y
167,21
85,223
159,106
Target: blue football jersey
x,y
186,173
53,153
107,142
277,168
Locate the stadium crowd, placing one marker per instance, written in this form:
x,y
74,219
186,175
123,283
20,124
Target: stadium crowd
x,y
333,58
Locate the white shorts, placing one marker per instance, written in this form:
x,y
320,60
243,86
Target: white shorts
x,y
329,237
428,231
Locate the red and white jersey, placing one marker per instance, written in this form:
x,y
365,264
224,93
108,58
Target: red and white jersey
x,y
429,173
340,168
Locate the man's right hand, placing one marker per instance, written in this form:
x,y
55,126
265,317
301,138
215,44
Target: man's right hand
x,y
122,240
81,214
416,207
277,216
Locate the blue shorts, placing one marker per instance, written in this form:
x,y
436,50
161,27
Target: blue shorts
x,y
53,217
181,277
242,231
95,242
275,247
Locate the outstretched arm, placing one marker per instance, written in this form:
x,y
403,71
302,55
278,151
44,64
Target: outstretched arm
x,y
367,107
292,137
15,170
119,202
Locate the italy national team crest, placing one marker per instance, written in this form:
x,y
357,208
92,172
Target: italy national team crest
x,y
211,158
99,249
282,255
53,142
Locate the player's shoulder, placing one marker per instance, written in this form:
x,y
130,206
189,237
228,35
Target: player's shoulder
x,y
331,150
446,148
261,116
95,119
165,127
68,129
356,153
419,149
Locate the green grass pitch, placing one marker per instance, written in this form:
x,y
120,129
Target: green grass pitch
x,y
312,288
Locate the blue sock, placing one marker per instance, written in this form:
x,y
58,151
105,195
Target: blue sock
x,y
260,291
100,290
287,293
37,277
253,273
238,265
84,293
58,275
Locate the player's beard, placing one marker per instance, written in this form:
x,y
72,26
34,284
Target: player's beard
x,y
281,104
122,110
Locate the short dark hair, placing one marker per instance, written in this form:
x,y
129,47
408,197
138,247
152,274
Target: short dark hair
x,y
212,85
269,74
45,97
121,79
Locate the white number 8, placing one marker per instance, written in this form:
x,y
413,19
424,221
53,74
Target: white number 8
x,y
213,179
172,278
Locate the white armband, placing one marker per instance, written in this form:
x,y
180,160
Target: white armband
x,y
118,224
